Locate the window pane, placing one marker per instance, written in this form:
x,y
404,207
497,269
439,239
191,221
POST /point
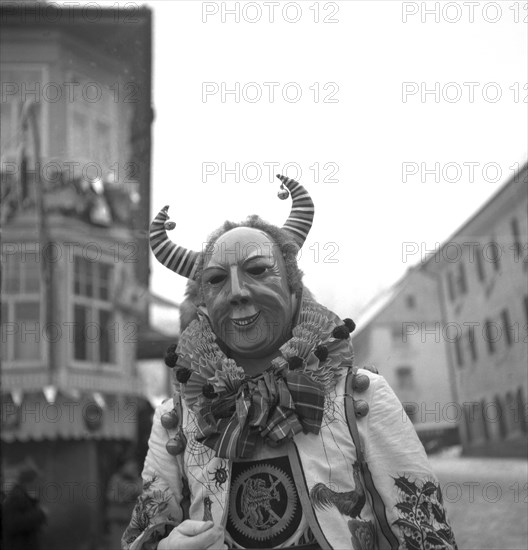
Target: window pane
x,y
472,344
27,338
79,342
80,137
106,348
507,327
462,286
77,276
495,254
489,336
89,278
404,376
458,353
3,332
480,264
450,286
103,143
12,273
104,281
32,270
516,238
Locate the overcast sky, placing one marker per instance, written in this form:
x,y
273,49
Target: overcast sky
x,y
350,109
360,116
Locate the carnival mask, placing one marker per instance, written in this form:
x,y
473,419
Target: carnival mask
x,y
244,278
246,293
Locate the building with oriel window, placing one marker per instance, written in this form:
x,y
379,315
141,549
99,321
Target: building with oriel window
x,y
75,169
482,274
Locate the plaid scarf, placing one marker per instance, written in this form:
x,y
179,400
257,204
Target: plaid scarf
x,y
275,405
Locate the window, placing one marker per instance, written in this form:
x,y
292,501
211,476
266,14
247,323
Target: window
x,y
450,286
507,327
94,324
480,264
21,310
92,125
495,252
404,378
458,352
484,419
517,245
472,344
461,279
490,335
31,78
399,338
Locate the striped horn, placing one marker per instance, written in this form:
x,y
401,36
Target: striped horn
x,y
301,216
178,259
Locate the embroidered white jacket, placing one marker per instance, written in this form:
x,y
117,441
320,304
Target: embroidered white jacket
x,y
403,509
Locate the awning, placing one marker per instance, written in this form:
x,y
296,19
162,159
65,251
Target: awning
x,y
31,417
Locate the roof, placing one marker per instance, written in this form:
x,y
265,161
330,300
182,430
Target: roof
x,y
378,304
520,177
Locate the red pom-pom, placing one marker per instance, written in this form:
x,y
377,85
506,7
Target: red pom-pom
x,y
350,324
171,358
341,332
360,382
321,352
176,445
361,408
183,374
170,420
295,362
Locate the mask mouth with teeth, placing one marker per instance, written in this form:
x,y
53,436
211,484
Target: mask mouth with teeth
x,y
246,321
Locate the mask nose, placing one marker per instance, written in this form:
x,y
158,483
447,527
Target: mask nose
x,y
239,294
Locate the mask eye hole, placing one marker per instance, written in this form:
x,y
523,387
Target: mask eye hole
x,y
256,270
216,279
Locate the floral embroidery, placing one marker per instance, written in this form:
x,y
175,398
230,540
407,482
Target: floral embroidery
x,y
422,520
152,503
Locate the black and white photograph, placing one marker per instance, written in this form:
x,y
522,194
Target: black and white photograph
x,y
264,275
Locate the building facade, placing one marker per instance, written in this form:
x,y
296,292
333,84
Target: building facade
x,y
75,162
482,274
400,334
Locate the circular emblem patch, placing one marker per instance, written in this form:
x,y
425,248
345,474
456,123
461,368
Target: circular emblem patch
x,y
263,503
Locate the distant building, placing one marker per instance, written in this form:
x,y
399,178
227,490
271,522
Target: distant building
x,y
482,272
75,163
399,332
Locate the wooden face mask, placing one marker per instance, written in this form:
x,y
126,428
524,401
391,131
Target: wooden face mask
x,y
246,293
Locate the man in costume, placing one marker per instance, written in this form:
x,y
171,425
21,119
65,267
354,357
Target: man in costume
x,y
273,438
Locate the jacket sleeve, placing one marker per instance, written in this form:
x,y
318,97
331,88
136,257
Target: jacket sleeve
x,y
159,507
406,495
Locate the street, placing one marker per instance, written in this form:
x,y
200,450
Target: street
x,y
486,501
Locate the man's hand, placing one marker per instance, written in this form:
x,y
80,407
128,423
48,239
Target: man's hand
x,y
194,535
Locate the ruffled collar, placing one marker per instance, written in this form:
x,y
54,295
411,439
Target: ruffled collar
x,y
211,383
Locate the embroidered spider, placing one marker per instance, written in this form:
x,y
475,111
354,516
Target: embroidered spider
x,y
219,476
